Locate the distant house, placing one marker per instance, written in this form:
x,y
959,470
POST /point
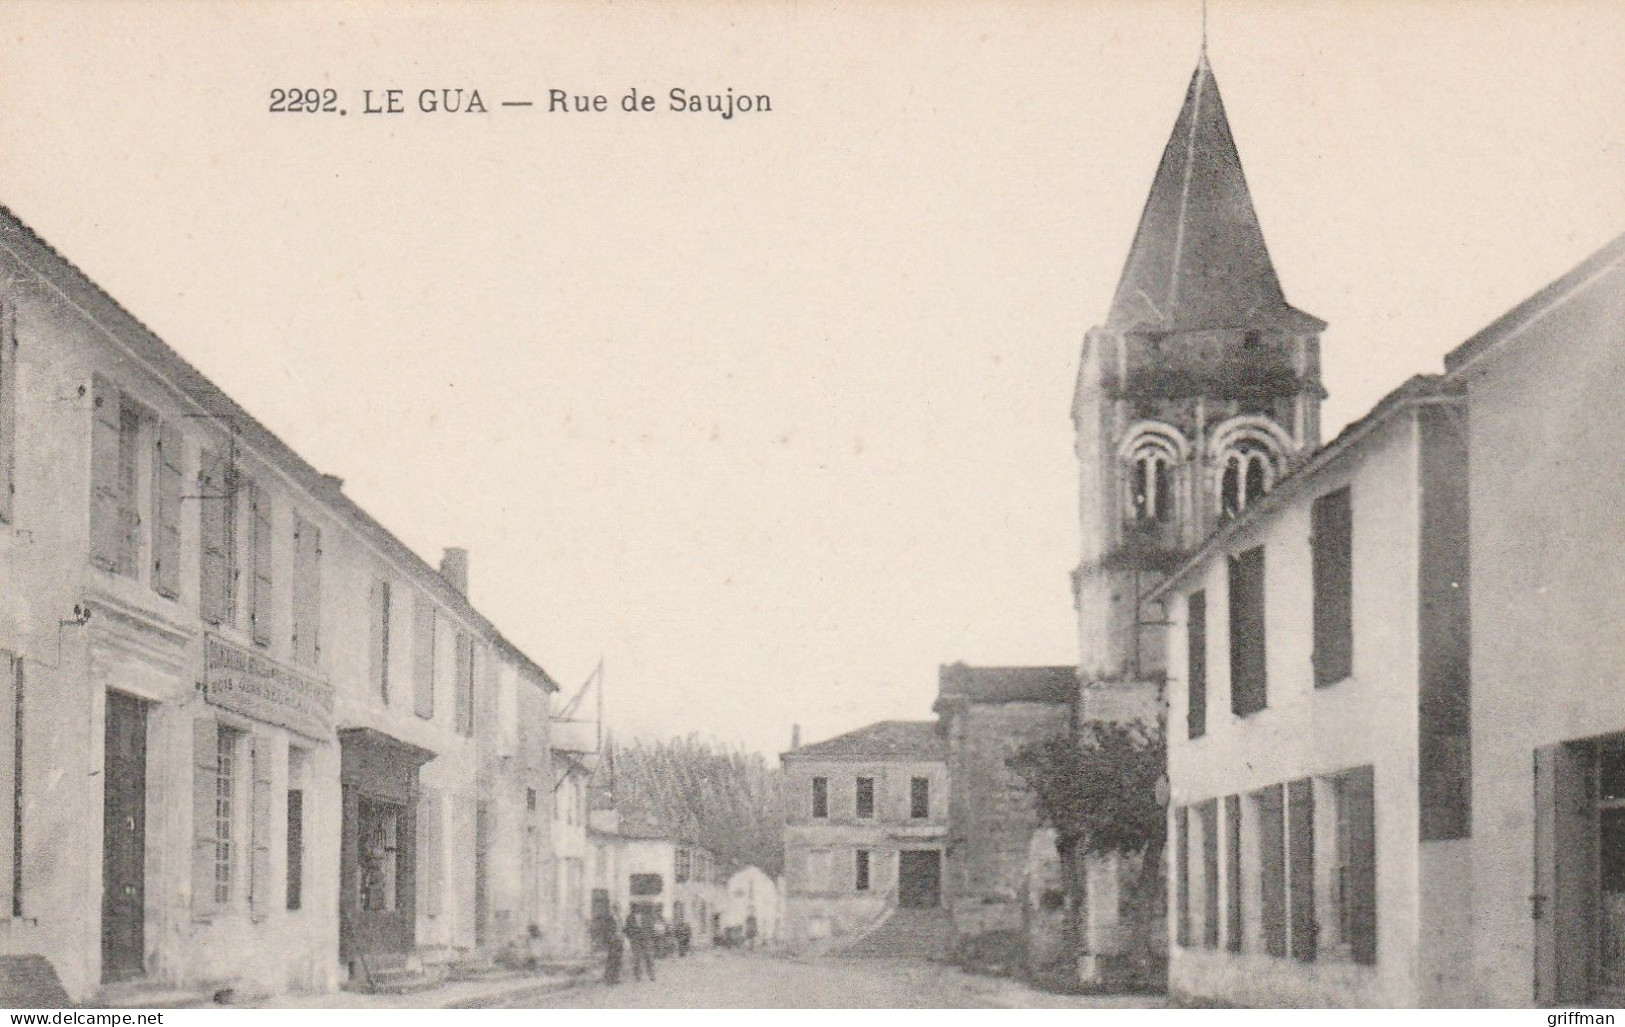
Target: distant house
x,y
865,832
987,715
641,868
755,900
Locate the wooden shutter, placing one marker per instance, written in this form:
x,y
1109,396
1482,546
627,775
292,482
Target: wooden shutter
x,y
423,619
106,527
1358,793
431,830
1247,663
1196,663
464,697
378,641
261,613
296,848
259,881
1272,870
216,510
8,410
1208,814
1182,872
205,773
1232,873
1332,573
307,591
1300,823
169,458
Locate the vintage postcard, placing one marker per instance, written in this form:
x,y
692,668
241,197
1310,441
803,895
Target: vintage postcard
x,y
770,504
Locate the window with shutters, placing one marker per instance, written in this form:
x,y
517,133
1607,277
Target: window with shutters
x,y
820,797
115,458
1300,828
259,825
1271,869
1351,880
866,798
379,637
1248,692
464,690
1331,540
168,474
1182,873
217,521
423,632
919,798
307,592
228,741
1196,664
431,831
261,583
11,772
8,411
1208,815
1232,873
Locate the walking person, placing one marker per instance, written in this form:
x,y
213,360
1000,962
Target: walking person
x,y
640,935
610,933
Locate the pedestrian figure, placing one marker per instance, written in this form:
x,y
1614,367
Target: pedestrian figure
x,y
640,936
685,935
610,932
750,931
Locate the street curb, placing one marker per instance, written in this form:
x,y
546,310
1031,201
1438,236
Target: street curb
x,y
537,989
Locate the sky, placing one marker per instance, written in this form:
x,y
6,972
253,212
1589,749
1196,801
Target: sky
x,y
770,413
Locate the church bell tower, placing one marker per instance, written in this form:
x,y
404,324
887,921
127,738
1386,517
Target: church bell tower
x,y
1199,391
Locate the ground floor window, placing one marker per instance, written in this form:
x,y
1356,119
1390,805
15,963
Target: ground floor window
x,y
862,882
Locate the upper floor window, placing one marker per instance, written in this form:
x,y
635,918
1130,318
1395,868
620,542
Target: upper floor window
x,y
919,798
1245,475
117,428
866,798
1247,657
379,639
820,797
307,592
1331,570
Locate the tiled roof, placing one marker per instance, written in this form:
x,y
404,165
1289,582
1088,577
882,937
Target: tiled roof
x,y
77,291
1006,684
889,740
1199,259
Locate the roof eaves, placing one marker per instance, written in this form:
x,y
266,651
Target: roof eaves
x,y
1413,390
130,332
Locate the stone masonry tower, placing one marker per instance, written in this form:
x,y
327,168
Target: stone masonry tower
x,y
1200,391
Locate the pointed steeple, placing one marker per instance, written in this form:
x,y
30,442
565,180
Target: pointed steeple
x,y
1199,259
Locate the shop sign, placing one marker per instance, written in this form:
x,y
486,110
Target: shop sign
x,y
254,685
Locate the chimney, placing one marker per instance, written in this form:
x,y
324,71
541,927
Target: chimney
x,y
454,568
795,737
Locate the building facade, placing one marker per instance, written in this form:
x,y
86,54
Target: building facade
x,y
1199,391
247,709
987,715
1547,714
866,817
1317,748
754,914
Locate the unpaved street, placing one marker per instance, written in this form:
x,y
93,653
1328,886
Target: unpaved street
x,y
746,980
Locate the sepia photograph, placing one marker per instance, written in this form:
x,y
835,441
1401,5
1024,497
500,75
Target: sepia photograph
x,y
764,504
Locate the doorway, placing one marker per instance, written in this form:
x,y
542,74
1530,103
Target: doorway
x,y
124,838
919,878
1578,903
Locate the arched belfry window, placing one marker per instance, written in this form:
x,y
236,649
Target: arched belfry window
x,y
1249,453
1247,474
1153,455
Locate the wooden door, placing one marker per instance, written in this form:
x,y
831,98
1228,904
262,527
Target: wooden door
x,y
1565,879
124,838
919,878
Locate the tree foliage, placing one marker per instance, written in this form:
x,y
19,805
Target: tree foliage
x,y
1098,787
726,800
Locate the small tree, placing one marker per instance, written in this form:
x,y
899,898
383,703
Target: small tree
x,y
1098,788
